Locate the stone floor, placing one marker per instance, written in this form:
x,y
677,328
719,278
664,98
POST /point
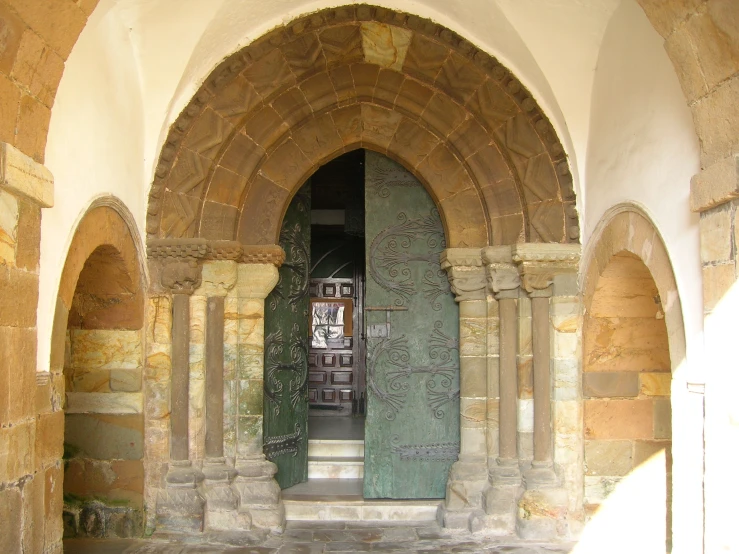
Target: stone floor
x,y
328,537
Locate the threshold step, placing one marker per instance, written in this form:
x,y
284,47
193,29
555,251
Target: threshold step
x,y
342,500
339,448
335,468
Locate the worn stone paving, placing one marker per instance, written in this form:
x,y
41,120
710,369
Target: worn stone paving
x,y
319,537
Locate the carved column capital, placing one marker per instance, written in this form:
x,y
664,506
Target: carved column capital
x,y
466,273
539,263
181,276
502,274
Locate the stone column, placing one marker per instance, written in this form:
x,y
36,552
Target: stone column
x,y
543,508
258,491
468,476
502,493
219,277
180,506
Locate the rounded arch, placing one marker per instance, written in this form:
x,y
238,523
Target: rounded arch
x,y
343,78
106,223
626,228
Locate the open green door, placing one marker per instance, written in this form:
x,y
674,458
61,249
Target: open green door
x,y
286,350
412,328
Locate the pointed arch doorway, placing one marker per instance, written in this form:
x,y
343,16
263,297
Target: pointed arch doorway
x,y
363,315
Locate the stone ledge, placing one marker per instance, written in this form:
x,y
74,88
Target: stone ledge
x,y
715,185
20,174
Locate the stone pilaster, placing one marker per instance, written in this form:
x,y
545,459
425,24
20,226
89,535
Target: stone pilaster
x,y
468,476
504,488
180,505
259,494
544,507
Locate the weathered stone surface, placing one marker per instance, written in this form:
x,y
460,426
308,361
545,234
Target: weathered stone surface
x,y
105,402
662,418
106,349
385,45
18,297
120,481
625,344
655,384
10,512
8,227
105,437
49,438
610,384
21,174
717,280
618,419
716,184
608,457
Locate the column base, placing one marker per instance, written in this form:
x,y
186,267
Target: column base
x,y
467,480
221,502
180,508
540,476
259,494
542,514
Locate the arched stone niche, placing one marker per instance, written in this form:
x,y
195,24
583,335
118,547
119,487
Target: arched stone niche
x,y
633,342
97,371
363,77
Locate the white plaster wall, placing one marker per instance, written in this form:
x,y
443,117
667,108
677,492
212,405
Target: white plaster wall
x,y
94,148
643,150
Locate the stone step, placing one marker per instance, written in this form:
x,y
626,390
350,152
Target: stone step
x,y
341,500
320,467
324,448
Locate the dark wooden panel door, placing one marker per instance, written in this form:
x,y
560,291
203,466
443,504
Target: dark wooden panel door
x,y
286,350
333,378
412,328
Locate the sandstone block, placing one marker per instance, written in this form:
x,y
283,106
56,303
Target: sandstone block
x,y
8,227
18,457
105,437
644,450
10,515
608,457
610,384
105,402
716,117
619,419
10,96
49,438
106,349
33,514
717,280
716,184
18,298
655,384
33,127
29,236
38,67
53,505
662,418
714,225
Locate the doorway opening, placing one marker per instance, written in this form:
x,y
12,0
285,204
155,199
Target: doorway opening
x,y
372,410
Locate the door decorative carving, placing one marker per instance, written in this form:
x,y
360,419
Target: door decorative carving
x,y
412,427
286,350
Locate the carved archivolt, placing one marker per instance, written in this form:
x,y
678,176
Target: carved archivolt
x,y
272,113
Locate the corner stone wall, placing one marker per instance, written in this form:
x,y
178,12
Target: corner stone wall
x,y
31,419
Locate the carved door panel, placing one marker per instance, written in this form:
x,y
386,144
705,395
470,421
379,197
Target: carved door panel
x,y
286,350
412,328
333,379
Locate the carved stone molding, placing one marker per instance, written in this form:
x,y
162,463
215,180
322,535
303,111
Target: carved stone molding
x,y
540,263
181,277
204,249
465,272
263,254
502,274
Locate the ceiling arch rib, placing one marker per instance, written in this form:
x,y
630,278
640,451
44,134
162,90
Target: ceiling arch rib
x,y
353,77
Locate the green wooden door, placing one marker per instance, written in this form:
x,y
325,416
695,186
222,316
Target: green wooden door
x,y
286,350
412,328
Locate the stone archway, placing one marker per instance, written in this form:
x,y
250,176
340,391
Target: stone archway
x,y
270,114
97,362
259,126
633,342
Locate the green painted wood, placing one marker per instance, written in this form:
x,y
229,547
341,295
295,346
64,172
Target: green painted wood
x,y
286,350
412,426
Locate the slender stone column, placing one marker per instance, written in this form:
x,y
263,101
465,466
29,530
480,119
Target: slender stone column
x,y
258,491
180,506
544,505
502,493
219,277
468,476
